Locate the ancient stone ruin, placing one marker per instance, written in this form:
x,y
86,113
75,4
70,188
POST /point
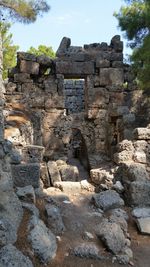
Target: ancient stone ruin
x,y
73,124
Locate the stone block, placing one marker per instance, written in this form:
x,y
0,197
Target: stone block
x,y
134,172
53,172
69,173
111,76
100,175
44,175
26,193
74,68
117,64
26,56
108,199
69,187
33,154
22,78
142,133
141,212
102,63
144,225
138,193
26,174
140,157
54,102
29,67
98,98
116,43
123,156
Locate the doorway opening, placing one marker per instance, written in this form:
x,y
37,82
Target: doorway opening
x,y
74,93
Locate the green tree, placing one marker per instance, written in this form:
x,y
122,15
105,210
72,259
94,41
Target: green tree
x,y
9,50
25,11
42,50
134,20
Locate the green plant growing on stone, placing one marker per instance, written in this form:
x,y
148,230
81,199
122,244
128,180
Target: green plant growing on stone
x,y
134,20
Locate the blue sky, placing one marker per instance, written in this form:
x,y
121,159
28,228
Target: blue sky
x,y
84,21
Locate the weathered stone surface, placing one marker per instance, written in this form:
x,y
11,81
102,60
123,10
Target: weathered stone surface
x,y
26,174
89,251
22,77
32,208
102,63
69,173
69,187
44,175
141,212
33,154
42,240
100,175
140,157
142,134
134,172
111,76
64,45
54,172
10,256
107,200
54,218
74,68
26,193
125,145
11,213
123,156
29,67
112,236
138,193
144,225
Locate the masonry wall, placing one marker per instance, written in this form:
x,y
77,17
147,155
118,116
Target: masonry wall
x,y
36,111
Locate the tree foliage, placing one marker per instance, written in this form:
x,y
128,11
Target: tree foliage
x,y
42,50
25,11
134,20
9,49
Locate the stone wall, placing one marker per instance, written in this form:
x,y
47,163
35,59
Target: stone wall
x,y
36,113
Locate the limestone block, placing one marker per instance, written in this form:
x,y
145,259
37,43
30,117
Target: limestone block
x,y
140,157
69,173
44,175
142,133
140,145
42,240
74,68
100,175
69,187
29,67
53,172
108,199
44,60
22,78
26,193
138,193
116,56
32,153
55,102
98,98
116,43
50,85
123,156
64,45
144,225
26,174
125,145
54,219
117,64
134,172
52,118
111,76
26,56
102,63
37,101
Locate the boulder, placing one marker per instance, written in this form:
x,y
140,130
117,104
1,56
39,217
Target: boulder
x,y
141,212
106,200
144,225
26,193
54,219
69,173
112,236
10,256
53,172
42,240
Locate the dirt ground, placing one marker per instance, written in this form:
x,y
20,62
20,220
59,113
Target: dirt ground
x,y
77,219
